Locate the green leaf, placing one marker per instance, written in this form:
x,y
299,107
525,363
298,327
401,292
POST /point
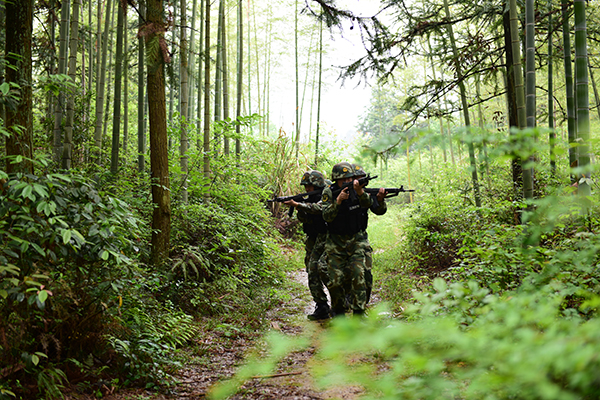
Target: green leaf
x,y
104,255
66,236
42,296
35,359
4,88
3,294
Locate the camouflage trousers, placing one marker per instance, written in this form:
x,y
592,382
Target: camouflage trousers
x,y
346,257
317,276
368,266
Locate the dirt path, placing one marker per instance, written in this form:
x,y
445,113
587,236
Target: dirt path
x,y
221,356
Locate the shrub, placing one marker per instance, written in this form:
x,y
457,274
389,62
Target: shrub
x,y
67,250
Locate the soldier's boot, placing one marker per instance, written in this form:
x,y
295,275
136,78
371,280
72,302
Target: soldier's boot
x,y
322,311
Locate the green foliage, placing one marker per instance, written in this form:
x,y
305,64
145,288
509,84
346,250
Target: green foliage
x,y
67,252
146,354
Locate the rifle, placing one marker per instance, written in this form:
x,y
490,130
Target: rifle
x,y
297,197
361,181
302,196
390,192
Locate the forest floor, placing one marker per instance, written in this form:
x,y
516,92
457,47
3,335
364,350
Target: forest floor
x,y
216,356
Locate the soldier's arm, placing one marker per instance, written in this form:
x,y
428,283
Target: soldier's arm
x,y
365,200
310,208
330,207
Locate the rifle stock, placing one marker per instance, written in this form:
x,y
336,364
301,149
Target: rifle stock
x,y
297,197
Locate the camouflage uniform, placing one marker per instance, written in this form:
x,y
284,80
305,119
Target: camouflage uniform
x,y
316,232
315,228
378,208
345,247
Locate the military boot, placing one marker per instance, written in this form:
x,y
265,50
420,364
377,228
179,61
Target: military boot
x,y
322,311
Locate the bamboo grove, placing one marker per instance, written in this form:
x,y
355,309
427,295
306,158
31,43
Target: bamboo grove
x,y
193,69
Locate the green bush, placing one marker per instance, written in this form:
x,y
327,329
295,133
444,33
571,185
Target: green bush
x,y
67,251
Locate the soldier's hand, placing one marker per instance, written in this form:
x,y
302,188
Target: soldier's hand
x,y
358,188
381,194
343,196
291,203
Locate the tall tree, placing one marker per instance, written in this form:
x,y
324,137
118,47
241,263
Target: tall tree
x,y
206,143
62,69
19,119
125,84
141,97
568,66
157,55
191,60
116,126
101,86
297,124
518,79
240,74
184,98
465,106
530,108
319,94
74,41
225,81
552,134
199,135
218,74
582,91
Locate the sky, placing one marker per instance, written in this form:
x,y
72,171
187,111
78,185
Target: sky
x,y
341,105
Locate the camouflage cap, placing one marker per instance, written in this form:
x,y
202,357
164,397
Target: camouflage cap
x,y
314,178
358,171
342,170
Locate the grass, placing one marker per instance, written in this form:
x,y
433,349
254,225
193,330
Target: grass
x,y
390,271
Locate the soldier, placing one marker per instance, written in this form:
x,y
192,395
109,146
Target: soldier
x,y
379,207
309,213
345,247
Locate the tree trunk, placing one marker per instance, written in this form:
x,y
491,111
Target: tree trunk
x,y
441,119
207,93
125,86
240,74
582,84
552,134
594,87
101,87
218,75
225,82
116,127
530,90
141,96
568,65
62,69
511,101
91,55
191,60
19,120
184,97
172,74
159,157
67,153
319,94
518,77
297,125
110,72
465,106
199,136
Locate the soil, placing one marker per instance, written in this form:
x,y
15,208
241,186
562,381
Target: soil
x,y
291,381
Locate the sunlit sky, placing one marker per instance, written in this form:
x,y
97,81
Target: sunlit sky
x,y
341,105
